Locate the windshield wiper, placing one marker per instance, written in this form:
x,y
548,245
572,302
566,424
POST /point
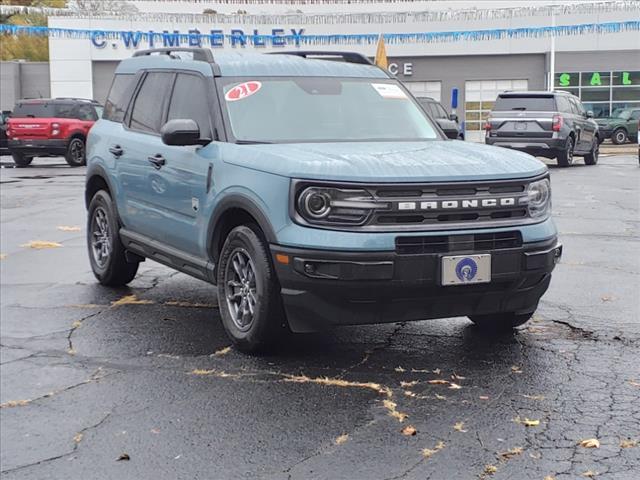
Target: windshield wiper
x,y
252,142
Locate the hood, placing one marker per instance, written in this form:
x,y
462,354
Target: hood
x,y
426,161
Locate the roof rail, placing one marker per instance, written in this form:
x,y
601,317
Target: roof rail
x,y
199,54
349,57
76,99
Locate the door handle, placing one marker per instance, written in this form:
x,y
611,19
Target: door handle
x,y
116,150
157,161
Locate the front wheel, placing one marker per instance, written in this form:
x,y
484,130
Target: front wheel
x,y
76,152
565,157
21,160
591,158
619,136
248,292
106,252
500,321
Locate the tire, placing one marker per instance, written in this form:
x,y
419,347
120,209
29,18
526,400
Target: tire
x,y
565,157
76,152
591,158
619,136
106,252
21,160
500,322
248,292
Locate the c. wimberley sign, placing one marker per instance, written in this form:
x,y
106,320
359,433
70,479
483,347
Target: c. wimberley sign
x,y
276,37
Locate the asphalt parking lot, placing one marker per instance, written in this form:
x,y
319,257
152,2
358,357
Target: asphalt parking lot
x,y
138,383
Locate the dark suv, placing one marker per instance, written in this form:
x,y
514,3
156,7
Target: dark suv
x,y
448,123
546,124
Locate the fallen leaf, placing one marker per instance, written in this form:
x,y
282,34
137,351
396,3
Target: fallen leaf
x,y
460,427
391,408
516,369
3,256
222,351
177,457
176,303
590,474
527,422
607,298
76,324
440,397
590,443
515,451
341,439
455,376
338,382
437,371
71,351
534,397
130,300
634,384
454,386
409,430
40,244
549,477
438,381
124,456
78,437
490,469
483,397
15,403
66,228
155,431
399,369
409,393
428,452
408,384
628,443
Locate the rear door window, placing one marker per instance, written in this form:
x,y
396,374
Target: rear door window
x,y
189,101
118,98
537,103
148,108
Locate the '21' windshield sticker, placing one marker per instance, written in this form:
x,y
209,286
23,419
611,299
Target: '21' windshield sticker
x,y
242,90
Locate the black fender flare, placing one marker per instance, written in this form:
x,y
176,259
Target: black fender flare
x,y
237,200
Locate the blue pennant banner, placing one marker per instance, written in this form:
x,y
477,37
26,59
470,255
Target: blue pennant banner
x,y
293,37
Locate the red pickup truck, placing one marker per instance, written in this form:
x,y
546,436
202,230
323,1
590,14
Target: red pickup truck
x,y
51,128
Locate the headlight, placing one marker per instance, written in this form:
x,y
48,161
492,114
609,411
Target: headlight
x,y
336,206
539,195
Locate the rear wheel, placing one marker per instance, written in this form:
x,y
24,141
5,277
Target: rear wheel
x,y
21,160
106,252
248,291
565,157
76,152
500,321
591,158
619,136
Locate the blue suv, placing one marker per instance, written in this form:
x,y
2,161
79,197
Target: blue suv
x,y
314,191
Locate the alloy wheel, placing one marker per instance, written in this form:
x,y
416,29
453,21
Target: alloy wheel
x,y
100,237
77,150
241,289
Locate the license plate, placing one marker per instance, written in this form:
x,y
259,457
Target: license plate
x,y
520,125
465,269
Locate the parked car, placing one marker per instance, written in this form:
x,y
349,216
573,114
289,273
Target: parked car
x,y
546,124
620,127
4,145
448,123
51,128
313,193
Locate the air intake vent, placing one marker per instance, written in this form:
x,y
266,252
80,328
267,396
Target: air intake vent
x,y
458,243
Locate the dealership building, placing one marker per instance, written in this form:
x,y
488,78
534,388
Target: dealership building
x,y
445,50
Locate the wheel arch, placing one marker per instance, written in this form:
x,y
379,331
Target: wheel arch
x,y
232,211
97,179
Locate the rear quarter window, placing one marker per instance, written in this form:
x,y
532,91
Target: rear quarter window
x,y
521,102
118,98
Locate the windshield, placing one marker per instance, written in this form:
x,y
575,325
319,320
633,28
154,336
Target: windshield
x,y
323,109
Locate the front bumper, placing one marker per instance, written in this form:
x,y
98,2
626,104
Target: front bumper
x,y
321,289
38,147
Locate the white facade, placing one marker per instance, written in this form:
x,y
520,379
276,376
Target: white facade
x,y
71,59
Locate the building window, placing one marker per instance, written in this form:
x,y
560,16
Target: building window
x,y
604,92
479,97
425,89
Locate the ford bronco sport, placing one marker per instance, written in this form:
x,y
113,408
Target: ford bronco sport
x,y
51,128
313,193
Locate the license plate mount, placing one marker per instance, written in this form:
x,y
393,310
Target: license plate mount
x,y
466,269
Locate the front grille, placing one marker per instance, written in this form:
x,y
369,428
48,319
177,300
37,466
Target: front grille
x,y
478,242
428,205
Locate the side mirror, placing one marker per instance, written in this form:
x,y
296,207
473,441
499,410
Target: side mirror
x,y
453,117
590,114
181,131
